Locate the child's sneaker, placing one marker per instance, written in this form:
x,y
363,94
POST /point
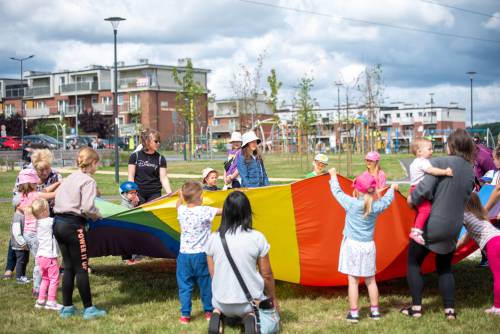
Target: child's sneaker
x,y
208,315
493,311
53,306
416,235
34,293
40,304
184,320
93,312
23,280
352,318
67,311
375,315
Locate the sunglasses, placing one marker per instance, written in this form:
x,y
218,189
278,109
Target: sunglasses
x,y
157,141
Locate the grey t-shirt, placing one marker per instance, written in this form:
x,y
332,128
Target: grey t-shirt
x,y
245,247
448,196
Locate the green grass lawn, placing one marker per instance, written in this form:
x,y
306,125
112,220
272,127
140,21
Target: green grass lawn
x,y
143,298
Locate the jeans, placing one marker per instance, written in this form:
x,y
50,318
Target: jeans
x,y
11,259
193,269
32,242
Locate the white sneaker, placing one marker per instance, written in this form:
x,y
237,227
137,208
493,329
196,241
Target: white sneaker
x,y
53,306
40,304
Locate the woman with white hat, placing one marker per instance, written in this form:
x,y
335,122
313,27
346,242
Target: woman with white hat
x,y
250,163
231,175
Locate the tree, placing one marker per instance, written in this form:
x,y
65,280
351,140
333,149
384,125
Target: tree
x,y
12,124
187,98
97,123
304,104
274,86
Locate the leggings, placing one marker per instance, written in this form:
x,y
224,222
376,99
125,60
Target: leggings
x,y
144,197
416,255
493,251
11,259
70,234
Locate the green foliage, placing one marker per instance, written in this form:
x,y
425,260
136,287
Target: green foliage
x,y
12,124
274,86
189,93
47,127
305,104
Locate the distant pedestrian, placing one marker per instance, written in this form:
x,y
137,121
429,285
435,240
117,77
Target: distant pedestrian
x,y
319,164
231,175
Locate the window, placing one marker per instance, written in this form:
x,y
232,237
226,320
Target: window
x,y
10,109
106,100
40,104
94,99
398,115
119,99
62,80
62,105
135,101
215,122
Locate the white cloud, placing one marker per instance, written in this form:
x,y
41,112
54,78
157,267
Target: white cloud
x,y
493,22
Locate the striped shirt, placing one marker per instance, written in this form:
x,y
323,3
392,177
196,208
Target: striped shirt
x,y
481,231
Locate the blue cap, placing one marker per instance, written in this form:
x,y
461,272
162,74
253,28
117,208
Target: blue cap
x,y
125,187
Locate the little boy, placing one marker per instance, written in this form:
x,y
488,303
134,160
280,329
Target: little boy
x,y
422,149
319,164
20,247
209,178
195,223
130,199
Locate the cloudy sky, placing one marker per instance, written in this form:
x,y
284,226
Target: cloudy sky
x,y
325,39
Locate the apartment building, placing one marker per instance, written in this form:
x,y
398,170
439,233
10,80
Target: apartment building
x,y
146,96
229,115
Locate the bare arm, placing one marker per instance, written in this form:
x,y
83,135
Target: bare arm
x,y
463,241
179,200
210,262
267,274
47,195
131,173
439,171
52,187
494,198
164,180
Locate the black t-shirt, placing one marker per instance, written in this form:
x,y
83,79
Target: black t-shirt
x,y
147,171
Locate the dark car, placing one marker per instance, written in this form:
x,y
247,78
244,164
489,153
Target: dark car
x,y
42,141
81,141
110,143
10,143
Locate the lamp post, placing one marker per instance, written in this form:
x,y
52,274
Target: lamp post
x,y
115,21
338,84
20,60
471,77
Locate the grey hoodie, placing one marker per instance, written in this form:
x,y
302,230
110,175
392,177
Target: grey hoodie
x,y
16,232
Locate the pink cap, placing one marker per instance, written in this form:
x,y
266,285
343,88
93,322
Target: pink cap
x,y
373,156
365,183
28,175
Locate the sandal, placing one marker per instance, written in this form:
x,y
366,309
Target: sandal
x,y
410,312
215,324
450,315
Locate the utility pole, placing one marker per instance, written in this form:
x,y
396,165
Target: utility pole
x,y
20,60
471,76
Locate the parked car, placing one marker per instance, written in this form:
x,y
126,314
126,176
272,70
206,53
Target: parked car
x,y
10,143
110,143
81,141
42,141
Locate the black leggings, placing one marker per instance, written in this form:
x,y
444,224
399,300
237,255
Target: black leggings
x,y
71,236
416,255
145,197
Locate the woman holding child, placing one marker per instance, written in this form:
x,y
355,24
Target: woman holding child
x,y
448,196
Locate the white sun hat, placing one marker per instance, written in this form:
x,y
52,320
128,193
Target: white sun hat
x,y
249,137
235,136
205,173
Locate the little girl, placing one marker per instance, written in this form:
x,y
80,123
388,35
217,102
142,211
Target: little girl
x,y
28,181
373,167
421,165
357,252
488,238
46,256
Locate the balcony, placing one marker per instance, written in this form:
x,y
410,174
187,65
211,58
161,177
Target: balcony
x,y
224,128
37,91
102,108
140,82
79,87
12,93
37,112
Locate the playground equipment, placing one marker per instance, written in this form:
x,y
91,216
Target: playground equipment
x,y
302,222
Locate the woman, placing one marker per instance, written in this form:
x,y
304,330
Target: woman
x,y
448,196
41,162
231,175
148,168
249,249
74,205
250,164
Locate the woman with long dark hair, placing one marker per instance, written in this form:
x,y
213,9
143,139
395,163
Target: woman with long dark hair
x,y
448,196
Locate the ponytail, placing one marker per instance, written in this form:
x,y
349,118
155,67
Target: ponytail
x,y
367,207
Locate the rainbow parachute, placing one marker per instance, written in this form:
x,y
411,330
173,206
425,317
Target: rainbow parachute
x,y
302,221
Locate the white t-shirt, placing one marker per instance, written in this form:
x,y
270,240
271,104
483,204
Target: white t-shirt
x,y
245,248
47,244
196,223
417,170
494,175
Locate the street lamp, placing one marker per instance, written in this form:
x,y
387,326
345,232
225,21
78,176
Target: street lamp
x,y
471,76
115,21
20,60
338,84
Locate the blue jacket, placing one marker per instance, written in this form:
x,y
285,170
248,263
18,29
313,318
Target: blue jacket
x,y
357,227
252,173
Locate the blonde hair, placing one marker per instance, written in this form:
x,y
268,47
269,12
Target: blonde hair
x,y
148,135
37,208
191,191
86,157
475,207
417,144
367,201
42,159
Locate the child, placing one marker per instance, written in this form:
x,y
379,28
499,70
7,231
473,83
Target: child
x,y
209,178
130,199
231,175
195,222
20,248
373,167
422,149
46,256
319,164
28,180
488,238
357,252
